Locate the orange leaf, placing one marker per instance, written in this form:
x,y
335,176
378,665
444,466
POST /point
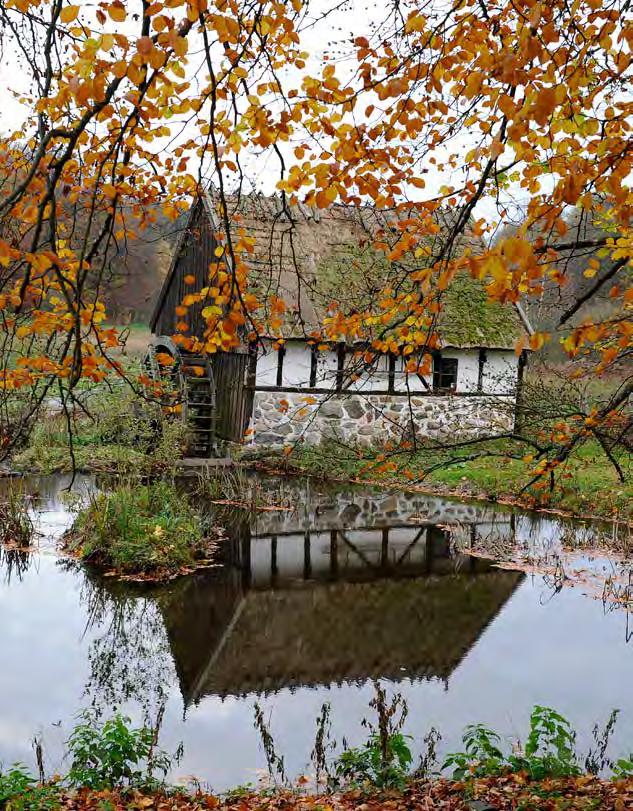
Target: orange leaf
x,y
117,12
69,13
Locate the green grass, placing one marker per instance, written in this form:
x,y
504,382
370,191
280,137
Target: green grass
x,y
118,433
148,530
586,484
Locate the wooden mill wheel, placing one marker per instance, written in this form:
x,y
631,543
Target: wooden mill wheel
x,y
191,377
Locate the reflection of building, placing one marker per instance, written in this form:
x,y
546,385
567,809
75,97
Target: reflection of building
x,y
294,606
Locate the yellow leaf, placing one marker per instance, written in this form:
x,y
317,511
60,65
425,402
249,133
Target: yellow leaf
x,y
69,13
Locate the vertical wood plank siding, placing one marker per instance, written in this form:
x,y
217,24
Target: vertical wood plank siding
x,y
197,253
234,398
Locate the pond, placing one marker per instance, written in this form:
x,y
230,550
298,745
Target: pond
x,y
317,601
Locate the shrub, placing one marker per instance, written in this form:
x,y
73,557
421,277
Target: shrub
x,y
144,530
15,781
114,755
19,791
113,430
481,757
16,525
384,760
381,763
549,750
623,768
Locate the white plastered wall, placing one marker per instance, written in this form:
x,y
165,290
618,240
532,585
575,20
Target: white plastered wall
x,y
500,370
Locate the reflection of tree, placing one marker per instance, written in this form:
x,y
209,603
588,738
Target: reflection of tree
x,y
130,659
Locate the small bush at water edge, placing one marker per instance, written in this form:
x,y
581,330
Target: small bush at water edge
x,y
114,755
16,525
144,530
382,763
548,752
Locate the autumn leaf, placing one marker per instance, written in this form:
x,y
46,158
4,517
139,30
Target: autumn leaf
x,y
117,12
68,14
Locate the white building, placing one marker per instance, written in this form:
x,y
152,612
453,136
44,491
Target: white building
x,y
291,386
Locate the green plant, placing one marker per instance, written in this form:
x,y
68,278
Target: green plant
x,y
385,758
114,755
481,756
112,428
549,750
16,780
16,524
20,791
375,764
239,792
146,530
623,768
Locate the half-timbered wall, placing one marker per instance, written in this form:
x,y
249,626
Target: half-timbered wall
x,y
294,368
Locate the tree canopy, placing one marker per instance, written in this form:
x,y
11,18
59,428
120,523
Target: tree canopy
x,y
505,112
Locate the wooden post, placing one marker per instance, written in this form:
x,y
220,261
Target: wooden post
x,y
518,406
333,553
274,569
281,352
482,362
314,352
391,375
307,559
340,366
384,548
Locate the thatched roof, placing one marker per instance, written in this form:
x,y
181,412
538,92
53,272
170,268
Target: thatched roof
x,y
310,257
338,632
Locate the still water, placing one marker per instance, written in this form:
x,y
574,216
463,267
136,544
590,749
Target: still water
x,y
314,603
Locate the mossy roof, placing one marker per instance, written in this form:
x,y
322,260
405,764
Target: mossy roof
x,y
470,319
310,257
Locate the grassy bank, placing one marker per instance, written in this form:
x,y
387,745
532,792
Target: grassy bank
x,y
586,484
114,431
146,531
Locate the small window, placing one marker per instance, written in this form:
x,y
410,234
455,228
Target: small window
x,y
444,374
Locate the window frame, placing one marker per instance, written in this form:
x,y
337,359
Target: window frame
x,y
441,373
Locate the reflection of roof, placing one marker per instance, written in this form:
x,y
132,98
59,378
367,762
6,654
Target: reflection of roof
x,y
342,632
302,254
197,610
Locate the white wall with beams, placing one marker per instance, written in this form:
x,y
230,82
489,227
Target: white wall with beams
x,y
499,372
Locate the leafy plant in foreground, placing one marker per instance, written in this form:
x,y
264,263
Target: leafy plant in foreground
x,y
550,747
384,760
114,755
19,791
15,781
623,768
481,756
549,750
375,764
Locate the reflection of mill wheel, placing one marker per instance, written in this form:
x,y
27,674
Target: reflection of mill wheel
x,y
191,378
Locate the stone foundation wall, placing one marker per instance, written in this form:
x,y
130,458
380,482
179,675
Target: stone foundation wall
x,y
282,418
